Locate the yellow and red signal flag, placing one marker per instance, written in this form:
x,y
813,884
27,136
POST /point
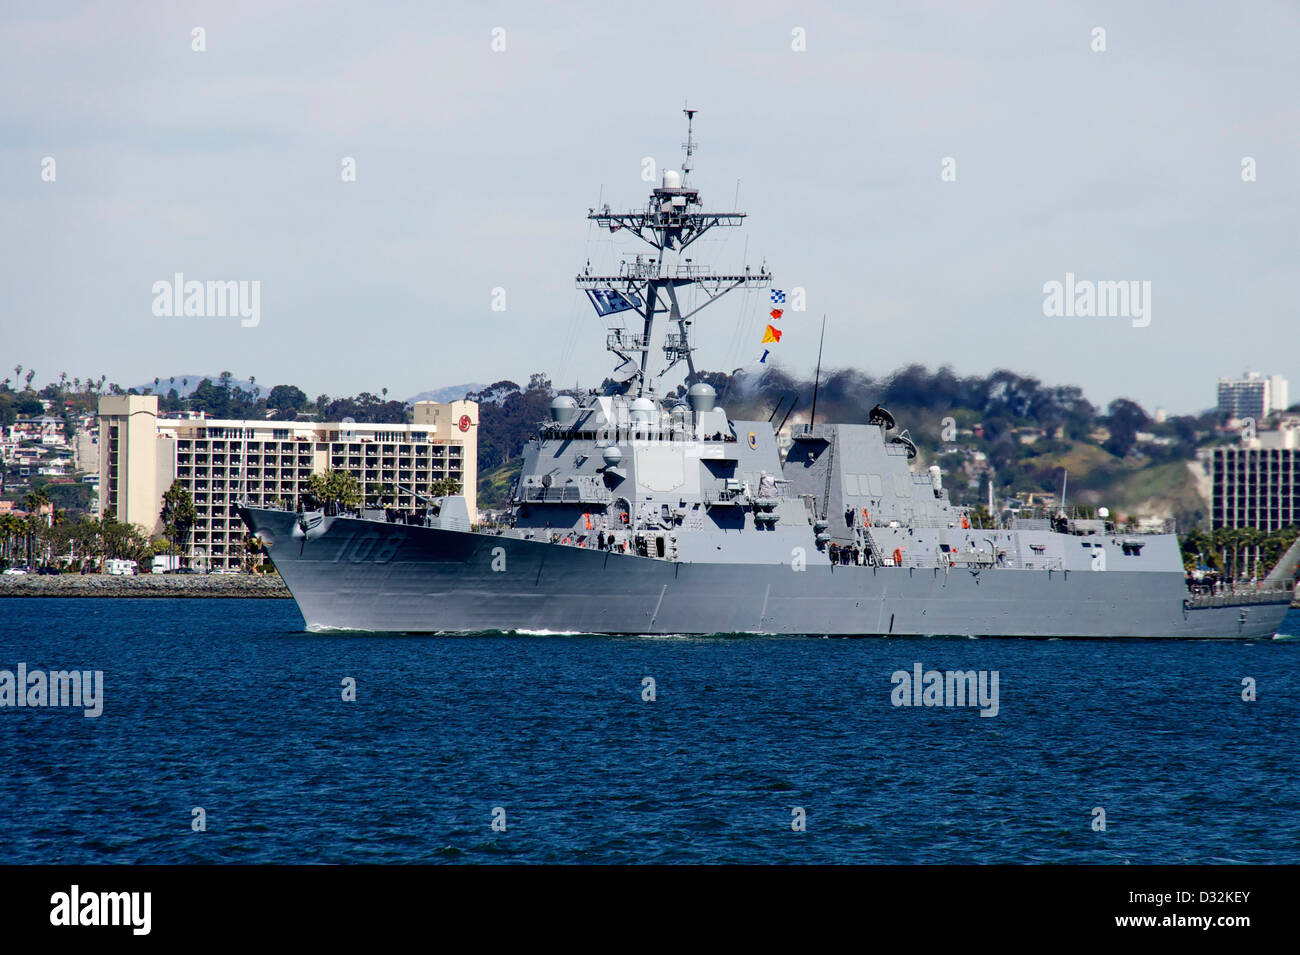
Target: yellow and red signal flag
x,y
771,334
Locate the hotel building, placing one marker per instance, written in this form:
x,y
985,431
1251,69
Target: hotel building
x,y
269,464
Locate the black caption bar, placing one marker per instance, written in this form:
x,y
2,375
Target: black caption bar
x,y
144,904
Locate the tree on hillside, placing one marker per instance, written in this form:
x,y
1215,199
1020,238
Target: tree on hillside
x,y
1126,419
364,407
27,404
286,401
508,416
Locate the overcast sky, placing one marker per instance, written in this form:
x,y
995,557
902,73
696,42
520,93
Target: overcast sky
x,y
475,170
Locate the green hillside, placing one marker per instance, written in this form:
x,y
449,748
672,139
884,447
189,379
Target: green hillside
x,y
495,484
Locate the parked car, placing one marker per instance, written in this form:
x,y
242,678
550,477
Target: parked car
x,y
16,572
48,571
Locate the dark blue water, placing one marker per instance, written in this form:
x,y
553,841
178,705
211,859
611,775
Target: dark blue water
x,y
223,704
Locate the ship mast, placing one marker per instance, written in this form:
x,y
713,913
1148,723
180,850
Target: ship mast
x,y
671,221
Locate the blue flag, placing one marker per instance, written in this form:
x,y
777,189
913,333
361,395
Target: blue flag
x,y
607,301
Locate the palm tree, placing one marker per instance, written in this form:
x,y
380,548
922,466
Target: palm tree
x,y
178,514
1219,541
445,487
36,501
387,493
252,549
1251,537
37,498
11,529
1237,541
336,490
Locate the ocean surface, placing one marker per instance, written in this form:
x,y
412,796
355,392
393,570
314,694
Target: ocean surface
x,y
226,705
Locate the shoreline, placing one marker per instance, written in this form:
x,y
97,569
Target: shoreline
x,y
267,586
198,586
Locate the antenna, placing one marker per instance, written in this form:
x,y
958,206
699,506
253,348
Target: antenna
x,y
780,403
812,419
669,224
689,145
787,414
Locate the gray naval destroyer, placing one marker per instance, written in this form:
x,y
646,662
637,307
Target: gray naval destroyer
x,y
639,513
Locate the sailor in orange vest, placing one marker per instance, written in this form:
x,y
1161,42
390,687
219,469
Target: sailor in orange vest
x,y
898,557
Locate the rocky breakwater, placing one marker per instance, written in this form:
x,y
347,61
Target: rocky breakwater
x,y
144,585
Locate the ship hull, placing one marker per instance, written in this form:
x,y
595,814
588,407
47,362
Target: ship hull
x,y
371,576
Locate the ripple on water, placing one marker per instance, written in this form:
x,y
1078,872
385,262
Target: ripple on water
x,y
227,705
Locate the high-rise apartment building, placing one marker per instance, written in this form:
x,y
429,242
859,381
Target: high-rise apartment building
x,y
1252,396
1255,487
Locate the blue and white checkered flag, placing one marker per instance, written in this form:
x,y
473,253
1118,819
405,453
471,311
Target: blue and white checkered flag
x,y
778,296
